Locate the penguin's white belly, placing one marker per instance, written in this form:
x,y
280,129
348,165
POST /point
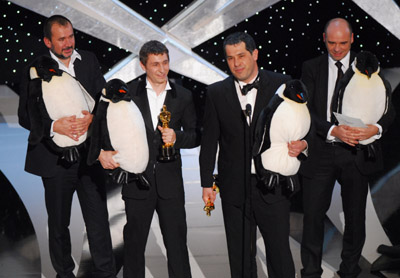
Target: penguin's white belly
x,y
365,99
290,122
64,96
128,136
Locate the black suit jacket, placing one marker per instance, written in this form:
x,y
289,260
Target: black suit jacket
x,y
40,159
224,126
165,176
315,77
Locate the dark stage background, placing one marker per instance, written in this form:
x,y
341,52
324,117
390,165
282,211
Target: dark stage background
x,y
287,33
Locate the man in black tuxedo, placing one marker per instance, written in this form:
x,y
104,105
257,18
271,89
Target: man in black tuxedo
x,y
245,202
61,180
335,157
166,193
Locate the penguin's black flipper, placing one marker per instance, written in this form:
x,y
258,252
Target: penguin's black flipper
x,y
99,132
262,140
260,132
35,116
341,88
388,89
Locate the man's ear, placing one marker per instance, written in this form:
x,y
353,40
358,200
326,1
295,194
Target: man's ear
x,y
47,42
142,66
255,54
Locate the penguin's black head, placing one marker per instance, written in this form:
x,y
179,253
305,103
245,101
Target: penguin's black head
x,y
296,91
367,63
46,68
116,90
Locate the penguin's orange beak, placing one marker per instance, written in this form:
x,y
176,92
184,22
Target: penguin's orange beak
x,y
122,91
300,96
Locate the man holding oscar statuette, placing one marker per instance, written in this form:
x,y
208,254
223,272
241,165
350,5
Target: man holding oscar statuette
x,y
233,106
170,119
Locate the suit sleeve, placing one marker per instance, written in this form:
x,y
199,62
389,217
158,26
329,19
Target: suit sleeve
x,y
23,117
98,78
88,72
387,118
308,77
28,105
188,137
209,142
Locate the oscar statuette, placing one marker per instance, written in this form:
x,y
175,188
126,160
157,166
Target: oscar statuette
x,y
210,205
167,149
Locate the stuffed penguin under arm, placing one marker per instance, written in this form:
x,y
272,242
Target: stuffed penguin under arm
x,y
118,125
286,118
363,92
54,94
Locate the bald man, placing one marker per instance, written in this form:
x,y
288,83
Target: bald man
x,y
335,157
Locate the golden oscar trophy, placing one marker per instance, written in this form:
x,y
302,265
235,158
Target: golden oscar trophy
x,y
210,205
167,149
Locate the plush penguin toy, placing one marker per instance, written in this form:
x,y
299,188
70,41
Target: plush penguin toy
x,y
54,94
363,92
286,118
118,125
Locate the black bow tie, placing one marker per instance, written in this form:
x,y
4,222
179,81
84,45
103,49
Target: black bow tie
x,y
246,88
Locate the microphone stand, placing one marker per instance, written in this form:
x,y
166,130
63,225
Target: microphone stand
x,y
248,202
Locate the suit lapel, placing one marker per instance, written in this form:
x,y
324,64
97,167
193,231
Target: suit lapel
x,y
323,83
142,102
232,100
264,94
170,98
323,70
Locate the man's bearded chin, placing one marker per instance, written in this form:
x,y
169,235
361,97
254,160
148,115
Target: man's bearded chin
x,y
60,56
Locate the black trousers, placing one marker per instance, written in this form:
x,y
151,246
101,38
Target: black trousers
x,y
337,163
88,182
272,220
172,220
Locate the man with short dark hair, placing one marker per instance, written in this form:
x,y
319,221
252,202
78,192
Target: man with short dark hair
x,y
245,202
60,179
335,157
166,194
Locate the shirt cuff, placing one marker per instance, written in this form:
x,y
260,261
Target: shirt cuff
x,y
51,130
305,151
379,134
329,137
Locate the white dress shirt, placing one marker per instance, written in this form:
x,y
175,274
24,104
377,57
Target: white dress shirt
x,y
156,102
249,98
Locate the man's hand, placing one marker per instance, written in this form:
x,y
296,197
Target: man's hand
x,y
168,135
66,126
209,195
72,126
82,124
365,133
346,134
107,161
296,147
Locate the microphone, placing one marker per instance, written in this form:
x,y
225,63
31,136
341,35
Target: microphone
x,y
248,111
